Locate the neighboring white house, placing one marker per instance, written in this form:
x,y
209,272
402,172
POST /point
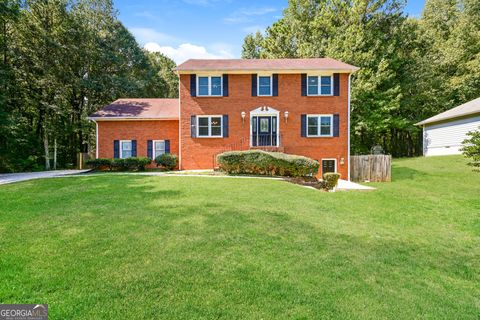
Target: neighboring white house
x,y
444,133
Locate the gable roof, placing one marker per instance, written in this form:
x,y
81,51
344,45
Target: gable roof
x,y
160,109
471,107
291,65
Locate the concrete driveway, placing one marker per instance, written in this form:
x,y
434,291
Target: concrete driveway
x,y
24,176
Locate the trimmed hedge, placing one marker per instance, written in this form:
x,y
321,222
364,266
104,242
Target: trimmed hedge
x,y
167,161
133,163
330,180
267,163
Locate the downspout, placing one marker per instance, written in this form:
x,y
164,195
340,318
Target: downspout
x,y
179,125
348,129
96,139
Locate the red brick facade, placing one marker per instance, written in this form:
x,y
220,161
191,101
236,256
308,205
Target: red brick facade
x,y
198,153
142,131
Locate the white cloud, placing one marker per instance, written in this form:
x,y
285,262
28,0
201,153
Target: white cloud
x,y
246,14
254,29
187,51
144,35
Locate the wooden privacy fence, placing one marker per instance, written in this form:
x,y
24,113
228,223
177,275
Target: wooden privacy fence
x,y
375,168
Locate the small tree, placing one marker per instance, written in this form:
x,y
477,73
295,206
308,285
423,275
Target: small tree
x,y
472,149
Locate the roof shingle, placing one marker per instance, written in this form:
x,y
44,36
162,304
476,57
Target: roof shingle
x,y
471,107
139,109
265,64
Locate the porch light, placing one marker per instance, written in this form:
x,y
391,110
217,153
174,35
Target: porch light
x,y
286,116
244,114
342,161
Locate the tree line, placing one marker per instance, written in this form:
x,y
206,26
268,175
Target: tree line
x,y
411,68
61,60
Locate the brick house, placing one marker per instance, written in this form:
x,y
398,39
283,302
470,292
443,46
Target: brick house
x,y
296,106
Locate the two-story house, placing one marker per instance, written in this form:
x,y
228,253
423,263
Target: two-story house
x,y
296,106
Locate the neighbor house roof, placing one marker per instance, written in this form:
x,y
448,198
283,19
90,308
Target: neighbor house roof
x,y
163,109
469,108
285,65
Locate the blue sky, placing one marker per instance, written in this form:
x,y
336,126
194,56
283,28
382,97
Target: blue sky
x,y
184,29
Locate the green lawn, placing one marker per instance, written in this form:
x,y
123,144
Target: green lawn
x,y
136,247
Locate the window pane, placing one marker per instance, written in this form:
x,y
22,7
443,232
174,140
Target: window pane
x,y
215,121
312,90
159,145
325,131
326,80
326,121
127,145
203,131
326,89
264,81
312,121
203,121
203,90
216,86
203,81
313,81
216,131
325,126
264,91
312,131
126,154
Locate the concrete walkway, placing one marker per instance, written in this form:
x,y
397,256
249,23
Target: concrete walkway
x,y
24,176
349,185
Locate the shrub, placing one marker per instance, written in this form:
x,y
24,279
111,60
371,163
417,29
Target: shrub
x,y
167,160
267,163
99,164
330,180
471,149
133,163
136,163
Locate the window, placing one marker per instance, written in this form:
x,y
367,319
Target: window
x,y
210,126
319,125
158,148
320,86
210,86
125,149
265,85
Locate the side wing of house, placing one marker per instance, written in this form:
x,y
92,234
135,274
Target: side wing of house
x,y
445,138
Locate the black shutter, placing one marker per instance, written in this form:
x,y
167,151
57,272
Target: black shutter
x,y
134,148
167,146
150,149
225,85
116,148
336,125
225,125
193,85
303,131
336,84
304,84
275,85
254,85
193,126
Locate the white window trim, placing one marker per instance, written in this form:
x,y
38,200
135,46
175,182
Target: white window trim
x,y
153,148
318,135
319,85
210,126
334,159
209,86
258,85
121,149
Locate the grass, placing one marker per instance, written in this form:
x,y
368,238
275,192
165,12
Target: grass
x,y
137,247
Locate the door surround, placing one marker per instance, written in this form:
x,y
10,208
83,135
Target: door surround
x,y
265,111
